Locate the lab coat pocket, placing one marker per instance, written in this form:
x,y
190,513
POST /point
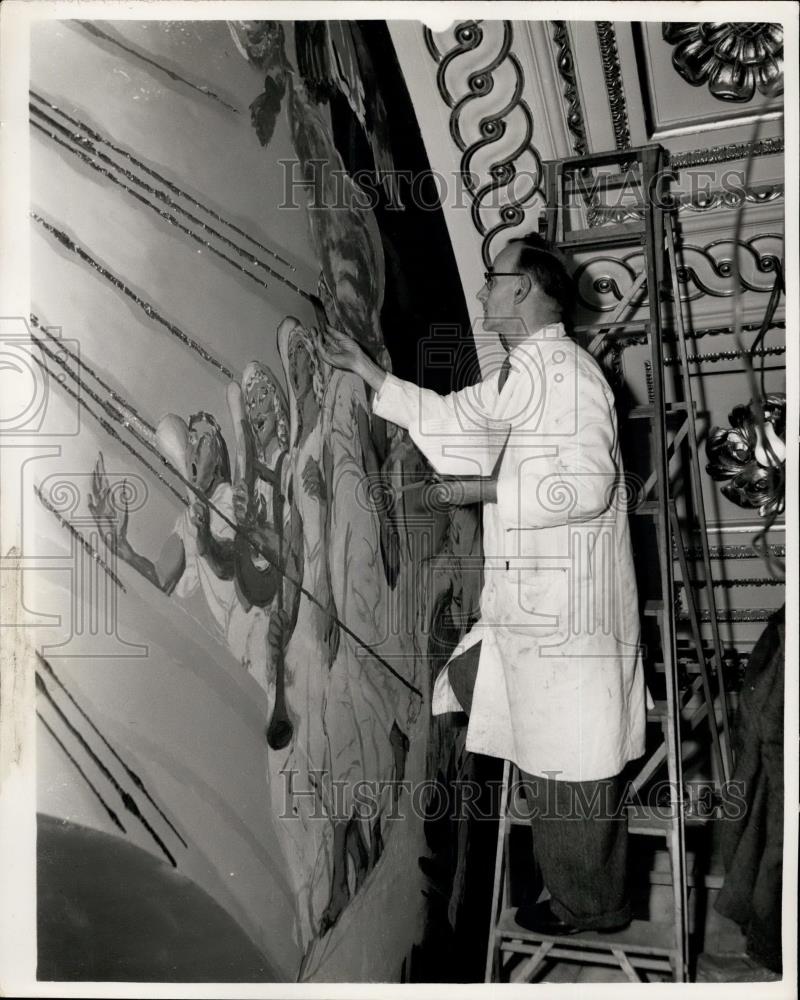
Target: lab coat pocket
x,y
538,601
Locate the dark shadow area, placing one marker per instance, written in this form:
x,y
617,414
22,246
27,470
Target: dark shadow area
x,y
109,911
423,288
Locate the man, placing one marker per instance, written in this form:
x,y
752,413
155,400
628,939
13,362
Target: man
x,y
551,674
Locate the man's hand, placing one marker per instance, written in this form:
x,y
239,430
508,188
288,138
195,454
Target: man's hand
x,y
341,351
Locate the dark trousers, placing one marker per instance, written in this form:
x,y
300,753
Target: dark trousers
x,y
752,838
580,834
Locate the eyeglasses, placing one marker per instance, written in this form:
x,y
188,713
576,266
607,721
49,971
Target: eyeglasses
x,y
489,276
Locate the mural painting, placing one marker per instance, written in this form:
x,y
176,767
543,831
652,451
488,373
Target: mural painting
x,y
313,537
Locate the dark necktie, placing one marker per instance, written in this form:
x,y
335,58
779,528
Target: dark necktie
x,y
505,368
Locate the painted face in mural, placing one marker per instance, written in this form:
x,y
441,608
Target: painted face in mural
x,y
259,399
206,455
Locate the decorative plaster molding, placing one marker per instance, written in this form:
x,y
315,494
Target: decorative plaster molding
x,y
708,201
476,124
717,356
612,73
734,552
694,333
755,615
733,59
745,581
601,281
723,154
566,68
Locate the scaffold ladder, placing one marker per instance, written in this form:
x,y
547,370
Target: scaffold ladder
x,y
515,954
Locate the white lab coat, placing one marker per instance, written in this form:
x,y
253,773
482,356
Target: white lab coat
x,y
560,687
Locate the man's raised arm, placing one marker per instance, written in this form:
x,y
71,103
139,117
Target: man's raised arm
x,y
435,423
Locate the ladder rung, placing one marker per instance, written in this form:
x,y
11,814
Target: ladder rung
x,y
570,163
644,937
620,328
658,712
688,666
648,508
578,240
515,820
650,821
653,608
670,410
711,880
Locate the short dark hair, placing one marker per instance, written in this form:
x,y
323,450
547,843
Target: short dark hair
x,y
548,269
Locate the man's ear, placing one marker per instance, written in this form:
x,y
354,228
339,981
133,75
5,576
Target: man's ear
x,y
523,287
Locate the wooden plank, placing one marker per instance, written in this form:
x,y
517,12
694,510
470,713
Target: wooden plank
x,y
625,965
589,957
530,966
640,936
499,885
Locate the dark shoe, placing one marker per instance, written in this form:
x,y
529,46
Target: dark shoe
x,y
541,919
733,968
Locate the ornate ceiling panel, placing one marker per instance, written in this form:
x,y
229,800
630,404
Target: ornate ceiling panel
x,y
495,100
704,77
513,94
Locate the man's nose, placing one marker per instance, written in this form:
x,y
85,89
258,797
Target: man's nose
x,y
481,296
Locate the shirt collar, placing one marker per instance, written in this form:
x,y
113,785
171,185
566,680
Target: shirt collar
x,y
550,334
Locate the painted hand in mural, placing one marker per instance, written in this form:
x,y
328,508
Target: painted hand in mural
x,y
113,529
242,504
167,570
200,519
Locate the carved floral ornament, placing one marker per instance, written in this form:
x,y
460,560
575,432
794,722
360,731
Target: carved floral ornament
x,y
734,60
749,461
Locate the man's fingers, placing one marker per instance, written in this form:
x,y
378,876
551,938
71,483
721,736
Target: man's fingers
x,y
331,331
